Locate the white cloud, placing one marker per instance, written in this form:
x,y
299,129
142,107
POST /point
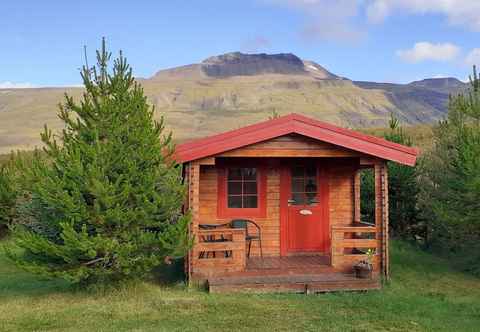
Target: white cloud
x,y
26,85
424,51
458,12
12,85
343,20
473,57
326,19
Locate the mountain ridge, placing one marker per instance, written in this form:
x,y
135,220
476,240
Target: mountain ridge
x,y
243,64
234,89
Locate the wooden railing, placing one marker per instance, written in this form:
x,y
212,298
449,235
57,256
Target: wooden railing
x,y
350,243
219,250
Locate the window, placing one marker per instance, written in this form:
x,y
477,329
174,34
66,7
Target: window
x,y
241,191
242,188
304,185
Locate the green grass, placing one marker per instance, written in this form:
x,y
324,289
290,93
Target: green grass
x,y
424,295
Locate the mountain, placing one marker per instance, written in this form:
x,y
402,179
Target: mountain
x,y
422,101
239,64
235,89
445,85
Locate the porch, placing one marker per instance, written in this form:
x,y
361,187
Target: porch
x,y
226,268
305,280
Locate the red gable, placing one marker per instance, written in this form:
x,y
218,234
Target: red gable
x,y
298,124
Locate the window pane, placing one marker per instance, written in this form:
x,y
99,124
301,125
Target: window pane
x,y
250,187
298,172
304,185
235,202
234,173
249,173
234,188
311,198
311,171
298,199
310,185
297,186
250,201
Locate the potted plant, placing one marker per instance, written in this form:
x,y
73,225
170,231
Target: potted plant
x,y
364,268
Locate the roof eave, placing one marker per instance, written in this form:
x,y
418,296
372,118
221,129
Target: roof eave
x,y
294,123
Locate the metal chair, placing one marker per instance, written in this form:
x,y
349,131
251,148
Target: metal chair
x,y
243,223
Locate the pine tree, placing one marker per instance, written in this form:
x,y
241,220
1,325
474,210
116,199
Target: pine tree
x,y
106,201
402,187
450,197
8,195
403,190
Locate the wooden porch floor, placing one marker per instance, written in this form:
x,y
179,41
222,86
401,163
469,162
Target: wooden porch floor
x,y
299,274
287,263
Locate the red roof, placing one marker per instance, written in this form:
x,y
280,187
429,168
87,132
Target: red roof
x,y
298,124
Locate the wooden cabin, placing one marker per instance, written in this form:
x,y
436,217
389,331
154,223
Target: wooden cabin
x,y
298,181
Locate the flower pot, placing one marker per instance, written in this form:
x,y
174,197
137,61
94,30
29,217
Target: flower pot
x,y
363,271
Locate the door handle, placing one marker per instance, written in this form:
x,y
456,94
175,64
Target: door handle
x,y
305,212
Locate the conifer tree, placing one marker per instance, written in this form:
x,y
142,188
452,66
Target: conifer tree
x,y
8,195
106,201
450,197
403,190
402,187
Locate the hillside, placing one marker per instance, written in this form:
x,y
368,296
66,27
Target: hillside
x,y
231,90
427,98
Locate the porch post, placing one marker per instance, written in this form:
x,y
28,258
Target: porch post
x,y
386,254
356,197
381,213
193,205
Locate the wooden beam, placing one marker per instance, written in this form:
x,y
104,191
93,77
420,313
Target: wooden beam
x,y
367,162
360,243
385,222
381,212
194,206
354,229
356,197
246,152
378,207
186,207
206,161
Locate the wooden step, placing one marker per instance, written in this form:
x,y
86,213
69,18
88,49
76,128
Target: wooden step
x,y
300,283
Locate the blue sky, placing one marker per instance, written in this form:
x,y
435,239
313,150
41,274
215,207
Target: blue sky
x,y
376,40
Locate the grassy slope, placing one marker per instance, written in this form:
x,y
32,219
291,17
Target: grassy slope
x,y
24,112
424,294
421,135
195,108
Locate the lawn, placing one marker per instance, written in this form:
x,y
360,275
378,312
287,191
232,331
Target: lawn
x,y
423,295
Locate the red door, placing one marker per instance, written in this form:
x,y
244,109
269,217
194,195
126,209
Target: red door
x,y
306,228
